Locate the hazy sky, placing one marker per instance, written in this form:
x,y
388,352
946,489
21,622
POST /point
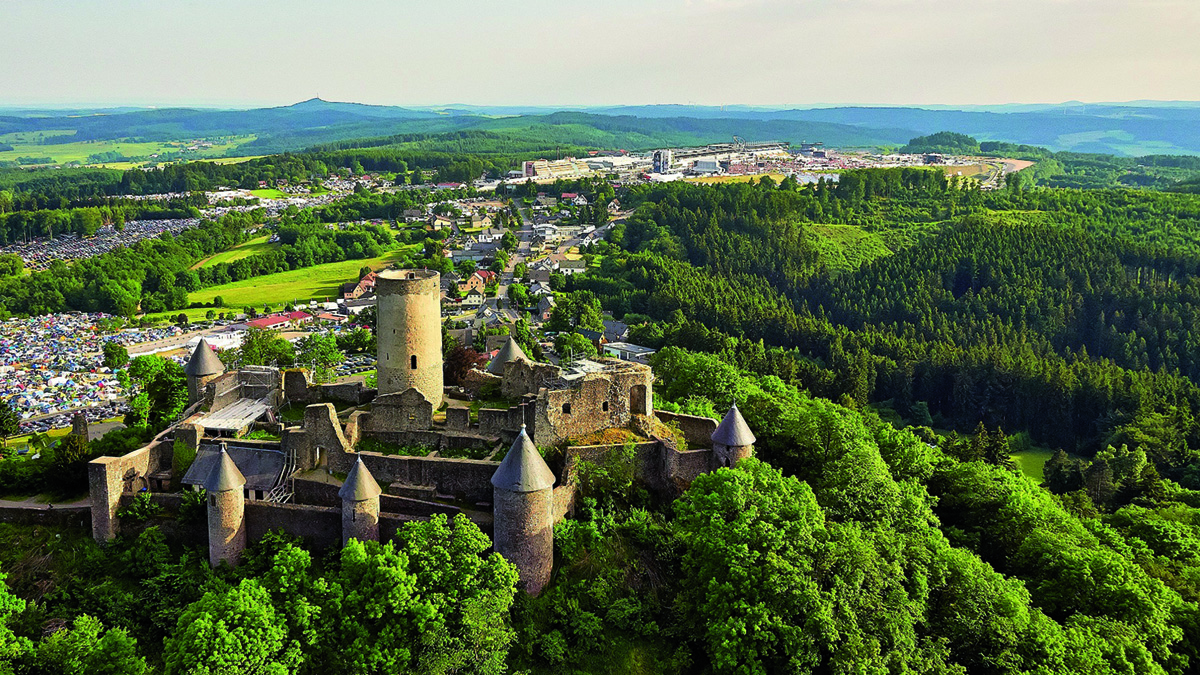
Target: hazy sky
x,y
565,52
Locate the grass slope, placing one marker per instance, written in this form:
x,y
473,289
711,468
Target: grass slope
x,y
243,250
318,282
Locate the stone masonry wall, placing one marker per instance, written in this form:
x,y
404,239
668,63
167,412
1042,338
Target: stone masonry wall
x,y
468,479
299,389
108,477
406,410
600,401
316,493
221,390
697,431
59,516
527,377
319,527
322,431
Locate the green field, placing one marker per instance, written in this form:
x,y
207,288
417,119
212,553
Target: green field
x,y
319,282
1032,462
26,144
231,160
243,250
269,193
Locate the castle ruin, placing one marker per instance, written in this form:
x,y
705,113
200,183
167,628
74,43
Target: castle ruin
x,y
354,462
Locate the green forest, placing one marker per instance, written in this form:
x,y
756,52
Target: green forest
x,y
893,339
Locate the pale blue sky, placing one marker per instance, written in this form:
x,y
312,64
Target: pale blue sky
x,y
541,52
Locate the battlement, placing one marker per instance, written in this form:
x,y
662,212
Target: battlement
x,y
407,282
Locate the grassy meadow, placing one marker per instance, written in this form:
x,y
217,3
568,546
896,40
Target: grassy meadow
x,y
1032,462
319,282
269,193
243,250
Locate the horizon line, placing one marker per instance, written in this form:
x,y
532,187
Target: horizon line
x,y
245,105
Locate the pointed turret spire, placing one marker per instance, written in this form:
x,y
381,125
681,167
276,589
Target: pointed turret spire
x,y
224,475
360,485
511,351
733,430
523,469
204,361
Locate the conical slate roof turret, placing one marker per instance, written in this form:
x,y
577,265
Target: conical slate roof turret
x,y
224,475
204,361
523,469
360,485
733,430
511,351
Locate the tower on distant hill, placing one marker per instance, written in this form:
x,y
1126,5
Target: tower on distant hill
x,y
409,333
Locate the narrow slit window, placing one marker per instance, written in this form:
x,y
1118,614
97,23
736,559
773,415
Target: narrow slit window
x,y
413,361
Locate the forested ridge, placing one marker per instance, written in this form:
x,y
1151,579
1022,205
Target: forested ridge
x,y
1011,309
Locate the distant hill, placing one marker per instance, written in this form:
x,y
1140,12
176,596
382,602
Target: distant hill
x,y
316,121
1139,128
1119,129
176,123
945,142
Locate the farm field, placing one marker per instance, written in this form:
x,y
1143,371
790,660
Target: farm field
x,y
318,282
230,160
26,144
243,250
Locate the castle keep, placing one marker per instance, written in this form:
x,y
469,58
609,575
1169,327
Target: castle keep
x,y
353,462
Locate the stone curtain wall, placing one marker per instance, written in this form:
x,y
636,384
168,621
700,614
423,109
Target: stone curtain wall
x,y
318,526
468,479
316,493
109,477
59,516
407,410
299,389
697,431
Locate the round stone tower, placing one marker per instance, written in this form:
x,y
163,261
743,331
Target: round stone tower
x,y
360,505
732,441
226,511
201,369
409,332
523,520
